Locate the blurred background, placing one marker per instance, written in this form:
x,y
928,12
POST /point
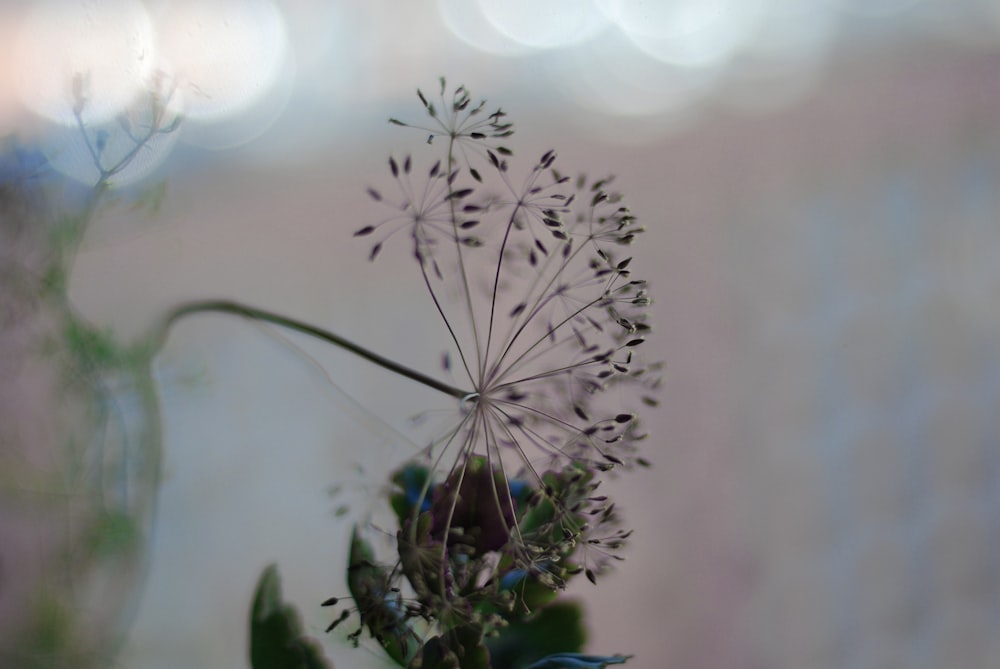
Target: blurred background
x,y
819,179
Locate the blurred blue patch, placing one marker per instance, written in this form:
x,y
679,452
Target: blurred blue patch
x,y
413,480
512,578
578,661
518,488
19,163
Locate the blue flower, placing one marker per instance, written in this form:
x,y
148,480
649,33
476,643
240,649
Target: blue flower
x,y
578,661
413,479
518,489
512,578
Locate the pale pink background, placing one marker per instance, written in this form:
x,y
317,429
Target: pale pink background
x,y
826,488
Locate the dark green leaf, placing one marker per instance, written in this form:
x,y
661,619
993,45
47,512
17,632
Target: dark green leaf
x,y
369,584
461,648
276,640
557,628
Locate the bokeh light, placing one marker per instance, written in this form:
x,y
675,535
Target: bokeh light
x,y
467,22
9,109
790,31
106,144
689,33
544,24
225,55
820,180
783,59
242,126
95,57
613,78
880,9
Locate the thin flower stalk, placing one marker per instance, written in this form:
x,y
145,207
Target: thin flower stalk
x,y
534,288
538,300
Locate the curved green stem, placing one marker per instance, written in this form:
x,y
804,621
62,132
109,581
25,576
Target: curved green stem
x,y
253,313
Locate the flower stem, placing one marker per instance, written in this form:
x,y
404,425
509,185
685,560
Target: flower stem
x,y
253,313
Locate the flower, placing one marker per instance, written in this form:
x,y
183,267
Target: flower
x,y
464,125
538,300
455,565
533,286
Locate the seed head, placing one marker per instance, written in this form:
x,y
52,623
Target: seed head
x,y
545,325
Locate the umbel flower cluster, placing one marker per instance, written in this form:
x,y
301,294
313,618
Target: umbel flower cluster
x,y
530,275
528,269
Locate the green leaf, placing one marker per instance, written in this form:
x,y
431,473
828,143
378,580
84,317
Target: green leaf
x,y
276,640
557,628
461,648
410,484
371,587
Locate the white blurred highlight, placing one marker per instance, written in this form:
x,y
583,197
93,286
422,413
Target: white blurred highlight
x,y
880,9
782,61
100,52
122,150
9,108
466,21
790,30
544,24
225,55
637,58
692,33
67,152
613,78
247,124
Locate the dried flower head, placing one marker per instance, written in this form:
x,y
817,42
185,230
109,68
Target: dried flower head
x,y
467,126
534,286
532,280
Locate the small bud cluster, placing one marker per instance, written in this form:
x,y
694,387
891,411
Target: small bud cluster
x,y
466,579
